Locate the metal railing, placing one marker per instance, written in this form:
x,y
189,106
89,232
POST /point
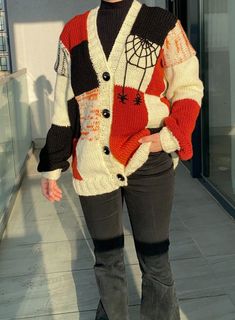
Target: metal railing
x,y
15,137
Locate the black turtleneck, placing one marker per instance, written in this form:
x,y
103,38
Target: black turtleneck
x,y
109,20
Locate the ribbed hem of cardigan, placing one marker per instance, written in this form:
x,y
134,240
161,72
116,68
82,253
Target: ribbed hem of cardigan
x,y
94,186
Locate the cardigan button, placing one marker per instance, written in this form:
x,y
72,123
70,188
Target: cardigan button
x,y
120,177
106,76
106,113
106,150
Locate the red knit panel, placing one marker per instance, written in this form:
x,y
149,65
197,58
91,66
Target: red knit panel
x,y
128,123
75,172
156,85
75,31
181,122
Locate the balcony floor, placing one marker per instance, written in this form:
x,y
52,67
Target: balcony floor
x,y
46,258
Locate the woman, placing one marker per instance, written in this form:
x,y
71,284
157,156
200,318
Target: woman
x,y
127,97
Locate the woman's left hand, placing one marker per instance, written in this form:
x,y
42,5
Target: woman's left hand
x,y
156,143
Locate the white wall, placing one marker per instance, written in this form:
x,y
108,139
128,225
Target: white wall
x,y
34,30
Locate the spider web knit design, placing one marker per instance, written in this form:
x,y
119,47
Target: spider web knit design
x,y
142,53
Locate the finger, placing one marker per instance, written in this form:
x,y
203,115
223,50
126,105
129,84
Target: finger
x,y
54,191
47,190
48,195
51,191
57,189
155,150
155,147
56,198
53,197
145,139
57,194
49,198
151,137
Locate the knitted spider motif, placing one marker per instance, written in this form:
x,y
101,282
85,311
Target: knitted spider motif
x,y
143,54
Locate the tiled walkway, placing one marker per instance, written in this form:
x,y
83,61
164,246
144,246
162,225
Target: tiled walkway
x,y
46,259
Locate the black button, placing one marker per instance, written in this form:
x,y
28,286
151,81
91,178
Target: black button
x,y
106,150
106,113
106,76
120,177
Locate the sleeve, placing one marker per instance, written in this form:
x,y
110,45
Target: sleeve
x,y
53,157
185,92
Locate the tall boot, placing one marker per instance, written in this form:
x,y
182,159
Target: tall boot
x,y
158,297
111,279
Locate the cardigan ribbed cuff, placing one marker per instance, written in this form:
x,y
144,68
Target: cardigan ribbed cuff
x,y
52,175
168,140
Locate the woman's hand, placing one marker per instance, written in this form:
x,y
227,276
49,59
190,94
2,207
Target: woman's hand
x,y
156,143
50,190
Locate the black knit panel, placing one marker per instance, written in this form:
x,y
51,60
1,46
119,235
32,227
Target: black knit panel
x,y
153,23
59,142
150,249
108,244
83,75
74,117
57,149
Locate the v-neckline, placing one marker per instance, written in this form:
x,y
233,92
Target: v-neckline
x,y
93,37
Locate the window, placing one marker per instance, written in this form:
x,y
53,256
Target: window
x,y
219,70
2,25
3,64
4,53
3,46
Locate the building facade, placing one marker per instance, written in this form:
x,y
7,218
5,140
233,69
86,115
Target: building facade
x,y
4,43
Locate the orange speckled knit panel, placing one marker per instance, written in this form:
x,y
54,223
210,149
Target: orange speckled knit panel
x,y
177,47
90,114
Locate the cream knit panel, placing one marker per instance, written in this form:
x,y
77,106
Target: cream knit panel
x,y
184,81
63,90
62,93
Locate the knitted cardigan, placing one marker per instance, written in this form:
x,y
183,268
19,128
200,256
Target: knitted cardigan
x,y
102,107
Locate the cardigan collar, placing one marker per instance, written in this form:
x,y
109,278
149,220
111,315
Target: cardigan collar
x,y
97,54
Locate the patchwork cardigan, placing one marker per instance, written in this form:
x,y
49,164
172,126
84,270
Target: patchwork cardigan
x,y
102,107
